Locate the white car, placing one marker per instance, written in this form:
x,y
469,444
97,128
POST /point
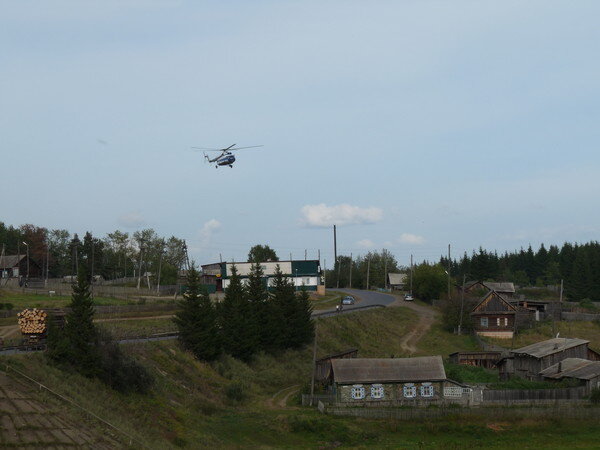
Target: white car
x,y
408,298
348,300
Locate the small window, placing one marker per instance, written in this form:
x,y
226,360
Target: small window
x,y
409,390
426,390
357,392
377,391
484,321
498,321
506,321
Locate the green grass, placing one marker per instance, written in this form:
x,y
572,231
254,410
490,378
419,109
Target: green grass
x,y
470,374
441,342
141,327
544,330
26,300
327,301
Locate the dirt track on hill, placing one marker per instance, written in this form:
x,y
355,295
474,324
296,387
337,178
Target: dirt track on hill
x,y
427,317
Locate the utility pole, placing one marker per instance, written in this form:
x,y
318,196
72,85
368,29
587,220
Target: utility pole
x,y
385,271
368,271
325,273
335,258
350,282
92,282
312,381
140,267
449,272
47,263
319,255
290,256
411,273
162,250
462,303
339,263
2,261
220,258
304,254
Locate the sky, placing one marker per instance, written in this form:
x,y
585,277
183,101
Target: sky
x,y
410,124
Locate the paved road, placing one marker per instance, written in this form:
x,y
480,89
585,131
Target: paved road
x,y
368,299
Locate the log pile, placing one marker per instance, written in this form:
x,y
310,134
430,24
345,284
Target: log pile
x,y
32,321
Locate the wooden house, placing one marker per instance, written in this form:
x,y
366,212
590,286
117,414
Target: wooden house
x,y
15,266
323,365
396,281
529,361
506,289
494,316
392,382
486,360
586,372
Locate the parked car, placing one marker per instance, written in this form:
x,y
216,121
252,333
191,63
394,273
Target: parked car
x,y
408,297
348,300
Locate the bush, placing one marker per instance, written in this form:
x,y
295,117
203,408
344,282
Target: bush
x,y
587,304
236,392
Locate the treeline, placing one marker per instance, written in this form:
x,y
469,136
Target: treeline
x,y
375,264
578,265
250,319
117,255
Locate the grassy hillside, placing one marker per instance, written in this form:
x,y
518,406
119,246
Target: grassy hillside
x,y
228,403
544,330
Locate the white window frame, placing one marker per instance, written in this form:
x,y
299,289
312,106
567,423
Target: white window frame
x,y
497,321
357,392
377,391
409,390
484,322
506,321
427,390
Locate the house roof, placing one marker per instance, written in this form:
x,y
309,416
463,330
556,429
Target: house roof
x,y
582,369
350,351
10,261
397,278
493,302
545,348
506,287
372,370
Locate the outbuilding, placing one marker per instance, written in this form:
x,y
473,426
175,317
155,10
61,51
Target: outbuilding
x,y
17,266
529,361
586,372
506,289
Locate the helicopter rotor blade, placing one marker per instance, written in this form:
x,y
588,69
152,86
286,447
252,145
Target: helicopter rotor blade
x,y
241,148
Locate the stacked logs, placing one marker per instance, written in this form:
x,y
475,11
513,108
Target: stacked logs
x,y
32,321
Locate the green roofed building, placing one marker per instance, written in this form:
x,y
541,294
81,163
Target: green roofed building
x,y
305,273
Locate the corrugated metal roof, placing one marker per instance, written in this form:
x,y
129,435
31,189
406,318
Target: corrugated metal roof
x,y
374,370
500,287
545,348
581,369
10,261
397,278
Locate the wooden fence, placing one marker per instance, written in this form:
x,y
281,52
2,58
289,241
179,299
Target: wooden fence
x,y
496,413
516,395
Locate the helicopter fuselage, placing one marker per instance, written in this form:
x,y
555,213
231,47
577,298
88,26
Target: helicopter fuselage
x,y
225,160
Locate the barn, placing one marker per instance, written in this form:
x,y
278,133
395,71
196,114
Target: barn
x,y
416,381
584,371
486,360
529,361
506,289
16,266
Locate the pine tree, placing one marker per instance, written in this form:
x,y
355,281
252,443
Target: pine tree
x,y
302,324
238,337
274,318
197,320
80,334
257,296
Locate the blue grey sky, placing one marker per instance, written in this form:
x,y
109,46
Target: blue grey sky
x,y
411,124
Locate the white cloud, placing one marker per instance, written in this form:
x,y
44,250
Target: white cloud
x,y
408,238
133,219
207,231
322,215
366,243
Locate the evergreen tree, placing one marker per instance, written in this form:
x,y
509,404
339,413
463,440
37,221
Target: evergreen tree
x,y
77,344
301,324
274,319
257,296
239,339
197,320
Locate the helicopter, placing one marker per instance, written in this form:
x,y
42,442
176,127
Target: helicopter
x,y
226,158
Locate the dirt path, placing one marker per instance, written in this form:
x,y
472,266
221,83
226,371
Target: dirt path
x,y
280,398
427,317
